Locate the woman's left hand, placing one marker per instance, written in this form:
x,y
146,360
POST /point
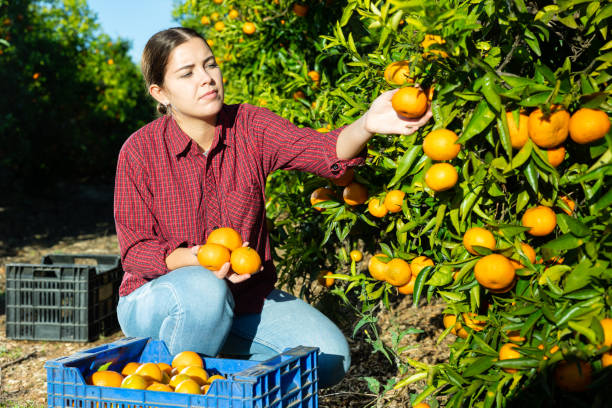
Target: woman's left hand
x,y
382,118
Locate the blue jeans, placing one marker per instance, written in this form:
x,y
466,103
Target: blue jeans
x,y
191,309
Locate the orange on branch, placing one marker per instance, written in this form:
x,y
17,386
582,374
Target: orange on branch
x,y
408,289
555,156
344,179
477,236
508,352
573,376
541,220
420,262
441,177
248,28
441,145
356,255
378,266
494,272
319,195
551,130
393,200
355,194
398,73
398,272
518,134
377,208
588,125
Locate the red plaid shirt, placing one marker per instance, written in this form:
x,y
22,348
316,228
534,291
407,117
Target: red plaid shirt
x,y
169,195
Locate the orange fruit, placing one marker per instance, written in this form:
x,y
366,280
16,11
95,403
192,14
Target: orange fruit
x,y
398,73
299,95
606,359
430,93
214,16
541,220
410,102
177,379
36,75
150,372
377,208
248,28
355,194
110,61
508,352
187,358
450,320
204,388
555,156
473,322
494,272
219,26
225,236
441,177
323,281
196,373
573,376
529,253
570,203
314,76
518,134
245,260
300,9
135,382
408,289
233,14
188,386
213,256
205,20
479,237
165,368
588,125
515,336
398,272
441,145
356,255
421,405
215,377
344,179
319,195
419,263
129,368
393,200
429,40
159,387
106,378
210,42
607,328
217,1
378,266
548,131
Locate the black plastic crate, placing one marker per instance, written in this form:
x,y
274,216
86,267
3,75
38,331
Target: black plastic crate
x,y
66,297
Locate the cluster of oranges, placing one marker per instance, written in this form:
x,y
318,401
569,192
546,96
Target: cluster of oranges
x,y
225,245
186,375
397,271
353,194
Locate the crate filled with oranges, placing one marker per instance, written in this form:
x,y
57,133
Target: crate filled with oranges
x,y
142,373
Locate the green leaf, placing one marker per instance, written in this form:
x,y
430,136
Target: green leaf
x,y
521,157
404,164
488,90
479,366
571,224
603,202
105,366
347,13
564,242
480,120
504,133
532,41
531,173
373,383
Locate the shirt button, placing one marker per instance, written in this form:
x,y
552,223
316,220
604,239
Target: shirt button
x,y
334,166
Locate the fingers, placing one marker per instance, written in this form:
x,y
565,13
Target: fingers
x,y
195,249
235,278
245,244
222,273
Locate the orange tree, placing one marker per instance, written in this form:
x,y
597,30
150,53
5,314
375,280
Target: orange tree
x,y
511,229
74,94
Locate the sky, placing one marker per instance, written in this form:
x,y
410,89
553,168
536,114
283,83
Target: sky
x,y
134,20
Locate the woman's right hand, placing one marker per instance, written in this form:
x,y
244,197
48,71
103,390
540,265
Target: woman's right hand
x,y
226,269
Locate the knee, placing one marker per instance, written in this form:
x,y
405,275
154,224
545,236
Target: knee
x,y
334,362
197,287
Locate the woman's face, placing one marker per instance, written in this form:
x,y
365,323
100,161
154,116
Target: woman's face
x,y
193,83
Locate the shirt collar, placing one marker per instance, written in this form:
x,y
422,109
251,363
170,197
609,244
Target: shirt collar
x,y
180,142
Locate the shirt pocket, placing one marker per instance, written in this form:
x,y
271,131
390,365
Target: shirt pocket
x,y
245,209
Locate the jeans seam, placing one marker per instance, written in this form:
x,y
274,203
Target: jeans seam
x,y
181,314
257,339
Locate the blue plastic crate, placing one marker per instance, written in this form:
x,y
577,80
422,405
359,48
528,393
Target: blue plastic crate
x,y
287,380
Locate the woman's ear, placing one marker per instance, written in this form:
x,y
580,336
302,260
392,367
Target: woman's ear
x,y
158,94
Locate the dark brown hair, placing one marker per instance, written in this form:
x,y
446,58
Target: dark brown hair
x,y
157,52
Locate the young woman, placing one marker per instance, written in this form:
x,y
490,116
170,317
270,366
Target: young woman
x,y
203,165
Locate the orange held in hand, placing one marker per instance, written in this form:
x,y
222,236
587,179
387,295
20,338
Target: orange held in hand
x,y
245,260
410,102
226,236
213,256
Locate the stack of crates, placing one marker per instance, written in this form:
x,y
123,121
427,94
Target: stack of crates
x,y
65,298
287,380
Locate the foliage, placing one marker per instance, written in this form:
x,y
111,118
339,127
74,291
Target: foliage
x,y
492,57
74,94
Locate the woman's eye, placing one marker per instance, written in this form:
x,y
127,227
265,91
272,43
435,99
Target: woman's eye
x,y
213,65
188,74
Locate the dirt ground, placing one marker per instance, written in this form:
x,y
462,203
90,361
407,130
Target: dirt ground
x,y
78,219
